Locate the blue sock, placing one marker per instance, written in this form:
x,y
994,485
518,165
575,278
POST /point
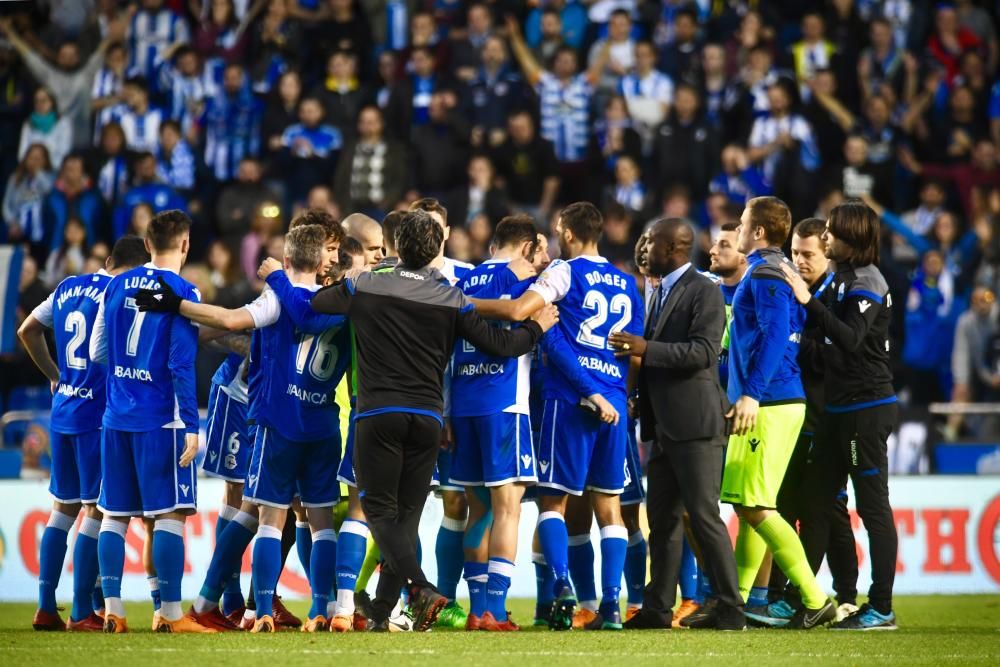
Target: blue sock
x,y
476,577
704,587
323,568
544,583
266,568
168,558
228,556
581,567
303,546
635,568
614,543
111,556
758,597
352,543
85,568
232,597
555,545
688,580
498,583
51,556
450,556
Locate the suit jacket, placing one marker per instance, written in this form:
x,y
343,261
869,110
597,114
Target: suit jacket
x,y
679,393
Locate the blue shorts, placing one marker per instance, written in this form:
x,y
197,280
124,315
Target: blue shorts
x,y
76,467
142,474
228,450
441,479
634,492
280,469
578,452
345,472
492,450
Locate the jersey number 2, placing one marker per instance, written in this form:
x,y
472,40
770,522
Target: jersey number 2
x,y
76,324
596,301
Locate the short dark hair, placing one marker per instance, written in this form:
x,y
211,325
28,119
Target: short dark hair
x,y
166,228
317,216
516,229
172,124
390,223
773,216
584,220
729,226
138,82
350,247
418,239
857,225
620,12
810,227
430,205
304,247
129,252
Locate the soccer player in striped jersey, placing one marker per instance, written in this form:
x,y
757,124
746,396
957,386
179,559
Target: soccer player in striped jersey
x,y
78,388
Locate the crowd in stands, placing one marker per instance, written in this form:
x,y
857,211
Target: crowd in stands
x,y
242,111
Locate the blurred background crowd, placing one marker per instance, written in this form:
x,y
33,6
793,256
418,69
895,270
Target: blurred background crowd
x,y
242,111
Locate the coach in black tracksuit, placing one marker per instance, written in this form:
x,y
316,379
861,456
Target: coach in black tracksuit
x,y
860,411
406,322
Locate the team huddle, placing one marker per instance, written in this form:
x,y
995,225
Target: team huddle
x,y
536,399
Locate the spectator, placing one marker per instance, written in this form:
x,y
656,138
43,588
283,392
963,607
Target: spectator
x,y
153,30
978,20
108,162
146,189
752,34
14,103
232,125
386,79
410,100
686,150
345,29
44,126
321,197
231,288
565,96
616,54
572,22
69,82
69,255
713,82
528,168
341,92
813,52
972,75
829,118
613,137
275,45
783,144
982,171
23,198
617,244
931,313
882,63
953,135
492,94
481,197
971,376
220,34
175,164
747,98
467,51
932,199
550,35
140,121
440,149
857,177
239,199
423,34
679,58
282,110
265,228
648,94
628,189
949,40
877,128
73,197
310,150
182,86
738,181
372,172
106,93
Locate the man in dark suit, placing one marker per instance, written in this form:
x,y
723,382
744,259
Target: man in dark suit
x,y
679,352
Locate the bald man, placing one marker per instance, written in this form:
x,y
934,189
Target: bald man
x,y
679,352
367,232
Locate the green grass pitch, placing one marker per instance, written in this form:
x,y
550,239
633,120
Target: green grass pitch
x,y
934,630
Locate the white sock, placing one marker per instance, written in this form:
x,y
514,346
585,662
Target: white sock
x,y
115,607
250,614
590,605
345,603
171,611
201,605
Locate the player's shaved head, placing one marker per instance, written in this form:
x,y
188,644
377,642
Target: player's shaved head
x,y
368,232
358,223
304,248
129,252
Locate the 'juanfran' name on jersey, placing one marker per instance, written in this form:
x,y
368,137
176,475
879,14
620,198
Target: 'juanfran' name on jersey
x,y
306,396
92,292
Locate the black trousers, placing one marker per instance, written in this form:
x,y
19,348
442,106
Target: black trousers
x,y
686,475
394,458
841,554
853,444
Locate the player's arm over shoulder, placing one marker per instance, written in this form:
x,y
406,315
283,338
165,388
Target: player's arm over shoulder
x,y
551,286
